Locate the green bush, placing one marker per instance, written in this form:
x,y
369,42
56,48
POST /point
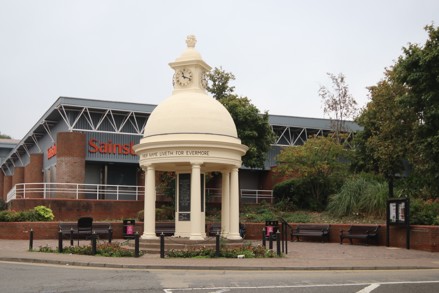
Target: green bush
x,y
258,213
297,217
247,250
296,192
373,202
360,196
103,249
44,213
424,212
300,195
39,213
164,213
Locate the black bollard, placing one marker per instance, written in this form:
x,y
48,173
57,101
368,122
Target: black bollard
x,y
278,243
31,239
71,236
162,245
110,234
284,236
263,238
60,248
270,241
136,244
217,244
93,243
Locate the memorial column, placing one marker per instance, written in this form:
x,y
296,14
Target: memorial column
x,y
196,202
149,208
225,202
234,206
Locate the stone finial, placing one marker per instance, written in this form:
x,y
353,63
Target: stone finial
x,y
191,40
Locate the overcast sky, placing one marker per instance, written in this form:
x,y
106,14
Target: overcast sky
x,y
279,51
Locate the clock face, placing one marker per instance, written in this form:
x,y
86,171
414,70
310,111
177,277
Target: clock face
x,y
183,77
204,80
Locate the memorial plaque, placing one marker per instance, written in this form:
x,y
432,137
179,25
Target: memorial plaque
x,y
184,192
184,217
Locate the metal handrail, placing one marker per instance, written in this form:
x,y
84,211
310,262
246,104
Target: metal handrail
x,y
105,191
75,190
257,194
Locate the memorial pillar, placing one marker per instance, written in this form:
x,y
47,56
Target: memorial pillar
x,y
196,202
234,206
149,207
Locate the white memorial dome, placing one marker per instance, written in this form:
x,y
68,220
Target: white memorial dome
x,y
189,111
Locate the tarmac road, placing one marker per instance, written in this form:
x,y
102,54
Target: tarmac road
x,y
24,277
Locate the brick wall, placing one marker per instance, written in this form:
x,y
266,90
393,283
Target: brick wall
x,y
68,209
33,173
70,158
18,176
422,237
7,185
2,178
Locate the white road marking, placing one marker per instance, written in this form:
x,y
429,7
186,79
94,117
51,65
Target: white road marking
x,y
369,288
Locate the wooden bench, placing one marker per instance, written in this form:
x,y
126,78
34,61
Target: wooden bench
x,y
100,228
308,230
167,228
360,232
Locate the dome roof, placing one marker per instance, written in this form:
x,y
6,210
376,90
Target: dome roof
x,y
190,113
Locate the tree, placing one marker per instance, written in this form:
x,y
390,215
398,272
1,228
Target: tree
x,y
338,104
401,123
418,70
219,85
383,145
322,159
253,128
4,136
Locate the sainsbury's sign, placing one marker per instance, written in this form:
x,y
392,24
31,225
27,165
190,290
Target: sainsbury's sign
x,y
51,152
108,147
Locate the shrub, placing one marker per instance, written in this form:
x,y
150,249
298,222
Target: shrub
x,y
424,212
346,202
39,213
297,218
258,213
302,192
44,213
359,195
373,202
103,249
247,250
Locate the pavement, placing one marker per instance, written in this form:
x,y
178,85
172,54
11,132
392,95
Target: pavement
x,y
301,256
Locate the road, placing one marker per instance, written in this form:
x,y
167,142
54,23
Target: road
x,y
20,277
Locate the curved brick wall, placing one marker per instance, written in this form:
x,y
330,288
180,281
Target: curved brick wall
x,y
70,158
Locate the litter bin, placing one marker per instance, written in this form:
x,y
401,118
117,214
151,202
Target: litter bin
x,y
271,226
129,228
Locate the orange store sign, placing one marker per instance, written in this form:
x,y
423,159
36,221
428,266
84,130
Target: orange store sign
x,y
51,152
108,147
